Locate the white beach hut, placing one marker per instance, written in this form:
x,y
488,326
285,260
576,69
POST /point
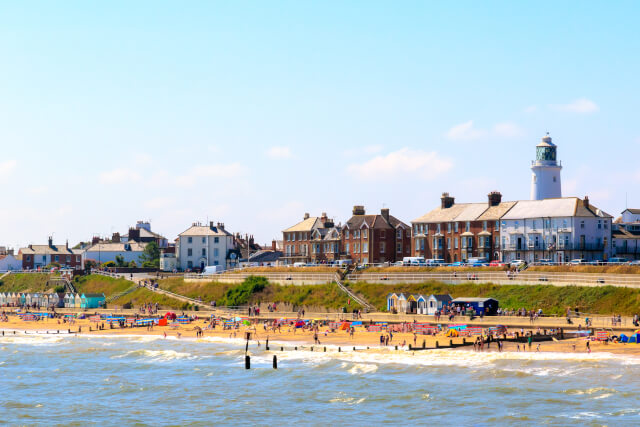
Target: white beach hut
x,y
68,300
77,301
3,299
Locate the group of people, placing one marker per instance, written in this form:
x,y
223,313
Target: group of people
x,y
149,308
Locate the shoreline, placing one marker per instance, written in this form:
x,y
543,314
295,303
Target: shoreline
x,y
362,340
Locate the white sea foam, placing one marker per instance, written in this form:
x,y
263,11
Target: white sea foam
x,y
155,355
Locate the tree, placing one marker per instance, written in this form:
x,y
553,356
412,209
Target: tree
x,y
150,257
133,264
120,261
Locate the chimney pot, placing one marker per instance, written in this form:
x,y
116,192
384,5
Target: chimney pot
x,y
385,214
495,198
585,202
446,201
306,215
358,210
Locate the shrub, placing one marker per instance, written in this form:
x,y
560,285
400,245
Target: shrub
x,y
109,264
59,289
240,295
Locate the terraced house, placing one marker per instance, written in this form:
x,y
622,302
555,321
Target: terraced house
x,y
39,256
373,239
457,232
314,239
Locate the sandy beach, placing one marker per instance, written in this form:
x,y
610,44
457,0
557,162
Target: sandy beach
x,y
289,336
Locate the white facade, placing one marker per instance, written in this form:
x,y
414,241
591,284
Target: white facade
x,y
545,180
556,229
168,262
10,263
201,246
105,252
630,215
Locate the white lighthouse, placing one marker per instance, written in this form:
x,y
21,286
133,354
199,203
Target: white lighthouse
x,y
545,181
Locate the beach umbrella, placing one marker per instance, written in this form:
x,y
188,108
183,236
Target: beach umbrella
x,y
246,322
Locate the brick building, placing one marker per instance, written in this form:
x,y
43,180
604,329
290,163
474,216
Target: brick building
x,y
307,240
39,256
456,232
372,239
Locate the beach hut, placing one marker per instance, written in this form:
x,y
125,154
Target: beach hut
x,y
3,299
54,300
92,300
402,303
23,299
77,301
488,306
67,300
392,302
422,304
412,304
436,302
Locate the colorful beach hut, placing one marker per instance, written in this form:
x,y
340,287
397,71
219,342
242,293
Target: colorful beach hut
x,y
422,304
77,301
488,306
436,302
402,303
392,302
92,300
412,303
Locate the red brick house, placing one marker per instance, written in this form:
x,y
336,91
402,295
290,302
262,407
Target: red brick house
x,y
314,239
456,232
39,256
373,239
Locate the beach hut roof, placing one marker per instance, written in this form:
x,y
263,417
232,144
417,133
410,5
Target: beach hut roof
x,y
421,298
442,297
401,296
474,299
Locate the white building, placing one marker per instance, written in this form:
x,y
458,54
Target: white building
x,y
545,181
104,252
201,246
168,261
10,263
557,229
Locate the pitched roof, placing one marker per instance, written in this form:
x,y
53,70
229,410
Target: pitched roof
x,y
305,225
117,247
440,214
494,213
204,230
265,256
46,250
375,221
553,208
632,211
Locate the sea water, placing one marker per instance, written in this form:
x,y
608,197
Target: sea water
x,y
154,381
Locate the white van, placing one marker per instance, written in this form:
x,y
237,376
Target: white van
x,y
212,269
414,261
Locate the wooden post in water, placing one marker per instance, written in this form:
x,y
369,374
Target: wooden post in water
x,y
424,343
450,343
437,344
275,362
247,362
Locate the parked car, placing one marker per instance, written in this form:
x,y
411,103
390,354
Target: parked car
x,y
496,263
577,261
516,263
617,260
435,262
414,261
478,262
458,264
545,261
635,262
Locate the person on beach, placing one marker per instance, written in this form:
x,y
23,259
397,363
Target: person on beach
x,y
588,347
518,348
538,348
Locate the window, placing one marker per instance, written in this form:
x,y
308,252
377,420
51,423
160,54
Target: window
x,y
204,240
365,247
57,258
497,242
216,252
28,257
399,247
455,242
346,247
399,234
204,252
484,225
364,233
44,258
606,225
504,242
189,252
216,240
516,224
448,227
422,244
68,258
448,242
470,242
455,226
189,239
533,226
357,248
438,228
382,247
599,224
77,259
417,245
581,224
382,234
467,226
190,264
497,225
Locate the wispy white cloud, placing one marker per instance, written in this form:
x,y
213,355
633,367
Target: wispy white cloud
x,y
219,171
465,132
119,176
508,130
581,106
279,152
404,163
7,167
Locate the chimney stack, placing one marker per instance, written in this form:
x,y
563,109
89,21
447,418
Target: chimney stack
x,y
50,241
385,214
585,202
358,210
495,198
95,240
274,245
306,215
446,201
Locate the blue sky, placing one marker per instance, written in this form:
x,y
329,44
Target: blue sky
x,y
252,113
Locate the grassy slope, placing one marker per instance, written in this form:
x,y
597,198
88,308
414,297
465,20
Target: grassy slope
x,y
551,299
141,296
31,282
96,284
